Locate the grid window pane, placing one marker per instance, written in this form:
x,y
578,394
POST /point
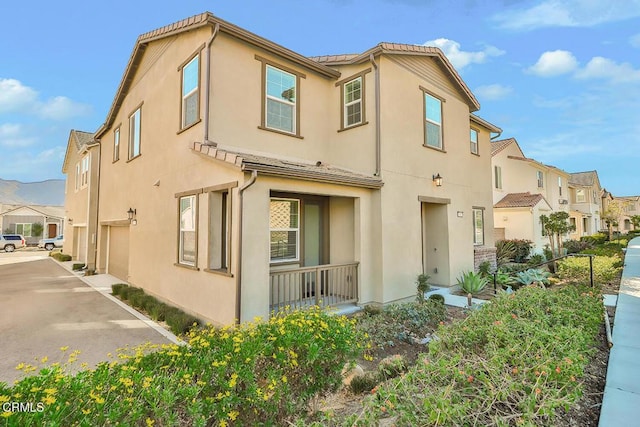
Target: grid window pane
x,y
433,135
352,91
354,114
434,109
279,115
190,109
284,245
284,229
281,85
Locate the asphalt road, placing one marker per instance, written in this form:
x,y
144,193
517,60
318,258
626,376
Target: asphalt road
x,y
43,308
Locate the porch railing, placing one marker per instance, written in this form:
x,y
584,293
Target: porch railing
x,y
322,285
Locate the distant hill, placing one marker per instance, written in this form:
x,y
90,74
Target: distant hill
x,y
49,192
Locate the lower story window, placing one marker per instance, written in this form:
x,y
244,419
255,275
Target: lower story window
x,y
24,229
478,226
188,241
284,229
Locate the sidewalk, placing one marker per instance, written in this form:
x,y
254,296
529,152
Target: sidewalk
x,y
102,283
621,401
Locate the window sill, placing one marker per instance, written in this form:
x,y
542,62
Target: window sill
x,y
115,161
188,267
353,126
287,262
281,132
188,127
442,150
475,154
133,158
221,272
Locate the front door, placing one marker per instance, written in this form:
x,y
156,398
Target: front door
x,y
313,228
52,230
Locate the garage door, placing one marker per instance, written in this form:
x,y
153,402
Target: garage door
x,y
118,265
81,232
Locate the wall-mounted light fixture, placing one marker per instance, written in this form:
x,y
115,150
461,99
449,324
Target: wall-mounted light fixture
x,y
131,215
437,179
70,220
460,214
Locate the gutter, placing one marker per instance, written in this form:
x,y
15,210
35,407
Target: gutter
x,y
249,183
94,246
377,98
207,86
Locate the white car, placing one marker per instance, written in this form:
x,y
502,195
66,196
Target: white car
x,y
54,242
11,242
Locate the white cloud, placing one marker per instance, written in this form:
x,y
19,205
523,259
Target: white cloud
x,y
493,92
635,40
15,97
460,58
554,63
568,13
607,69
14,135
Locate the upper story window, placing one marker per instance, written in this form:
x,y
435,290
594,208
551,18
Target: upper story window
x,y
134,134
353,102
280,100
581,196
540,178
432,121
560,186
116,145
77,176
84,172
474,141
190,92
497,177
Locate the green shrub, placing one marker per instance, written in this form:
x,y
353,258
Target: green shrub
x,y
364,383
522,249
575,246
401,322
250,375
499,361
536,260
422,286
505,252
484,269
180,322
392,366
438,298
372,309
576,269
117,288
77,266
595,239
60,256
472,283
607,249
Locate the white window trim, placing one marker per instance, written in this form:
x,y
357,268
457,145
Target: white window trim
x,y
540,179
497,171
346,104
584,195
560,186
477,211
194,206
77,180
474,145
297,230
84,172
426,118
185,96
281,101
116,144
138,133
23,233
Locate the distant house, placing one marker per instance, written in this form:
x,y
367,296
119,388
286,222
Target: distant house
x,y
80,164
22,219
237,177
523,190
630,207
585,203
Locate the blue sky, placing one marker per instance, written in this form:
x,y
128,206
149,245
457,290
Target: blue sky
x,y
561,76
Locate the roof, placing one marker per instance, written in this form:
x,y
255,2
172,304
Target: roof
x,y
50,211
519,200
501,144
273,166
404,49
486,124
77,139
584,179
192,23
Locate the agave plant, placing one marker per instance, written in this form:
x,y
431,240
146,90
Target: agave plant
x,y
472,283
533,275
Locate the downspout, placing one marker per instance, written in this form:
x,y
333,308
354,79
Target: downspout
x,y
207,86
97,189
497,136
249,183
377,100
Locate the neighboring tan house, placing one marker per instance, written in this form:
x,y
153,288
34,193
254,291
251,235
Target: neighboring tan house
x,y
81,165
523,190
585,203
20,219
238,176
630,207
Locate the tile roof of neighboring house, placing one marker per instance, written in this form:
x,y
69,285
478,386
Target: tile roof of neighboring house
x,y
406,49
519,200
288,168
501,144
584,179
82,138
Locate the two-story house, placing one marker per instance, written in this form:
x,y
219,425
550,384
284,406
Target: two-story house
x,y
238,176
523,190
630,207
585,203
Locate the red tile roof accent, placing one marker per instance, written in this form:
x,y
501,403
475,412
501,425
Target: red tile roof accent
x,y
519,200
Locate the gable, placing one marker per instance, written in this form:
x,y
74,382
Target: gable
x,y
23,211
150,56
428,69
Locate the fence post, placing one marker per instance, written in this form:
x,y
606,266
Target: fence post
x,y
591,269
495,285
317,286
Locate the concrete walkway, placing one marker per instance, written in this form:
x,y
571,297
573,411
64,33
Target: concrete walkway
x,y
621,401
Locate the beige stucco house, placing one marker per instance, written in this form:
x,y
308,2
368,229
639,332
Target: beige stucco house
x,y
585,203
523,190
81,165
629,205
237,176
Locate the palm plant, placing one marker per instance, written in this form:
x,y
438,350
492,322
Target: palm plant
x,y
472,283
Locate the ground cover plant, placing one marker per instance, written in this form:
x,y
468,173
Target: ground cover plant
x,y
260,373
516,361
606,269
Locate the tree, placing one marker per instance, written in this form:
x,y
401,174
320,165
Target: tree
x,y
612,214
36,229
555,226
635,220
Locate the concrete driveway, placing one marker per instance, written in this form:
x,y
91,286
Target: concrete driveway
x,y
44,307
